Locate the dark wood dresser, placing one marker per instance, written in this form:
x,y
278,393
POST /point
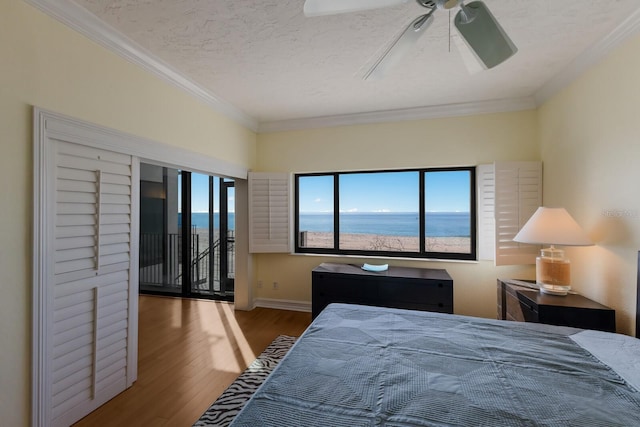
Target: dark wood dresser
x,y
424,289
523,304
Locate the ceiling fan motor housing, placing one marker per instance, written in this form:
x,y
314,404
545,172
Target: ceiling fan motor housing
x,y
429,4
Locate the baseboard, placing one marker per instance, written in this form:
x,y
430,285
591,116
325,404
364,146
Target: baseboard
x,y
283,304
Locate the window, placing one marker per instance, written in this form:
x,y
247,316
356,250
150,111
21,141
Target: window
x,y
422,213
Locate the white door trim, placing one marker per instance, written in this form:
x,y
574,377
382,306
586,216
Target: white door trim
x,y
49,126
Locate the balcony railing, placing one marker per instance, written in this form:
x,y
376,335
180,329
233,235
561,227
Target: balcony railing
x,y
161,262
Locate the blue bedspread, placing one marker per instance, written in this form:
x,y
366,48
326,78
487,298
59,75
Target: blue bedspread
x,y
368,366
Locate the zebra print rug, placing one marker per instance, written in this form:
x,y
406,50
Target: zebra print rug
x,y
227,406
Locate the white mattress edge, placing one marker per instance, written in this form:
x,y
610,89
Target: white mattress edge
x,y
620,352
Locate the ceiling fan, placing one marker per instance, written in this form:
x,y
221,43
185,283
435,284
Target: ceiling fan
x,y
476,24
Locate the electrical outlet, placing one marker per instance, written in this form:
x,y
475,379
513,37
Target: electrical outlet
x,y
275,285
259,284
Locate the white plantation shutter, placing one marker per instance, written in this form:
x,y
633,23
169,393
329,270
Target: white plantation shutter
x,y
269,212
485,181
92,193
511,195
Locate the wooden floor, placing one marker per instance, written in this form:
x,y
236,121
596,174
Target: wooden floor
x,y
189,352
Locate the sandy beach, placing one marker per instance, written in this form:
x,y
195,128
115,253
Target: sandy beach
x,y
379,242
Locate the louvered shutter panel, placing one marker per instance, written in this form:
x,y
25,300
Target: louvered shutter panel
x,y
485,181
269,212
518,193
92,236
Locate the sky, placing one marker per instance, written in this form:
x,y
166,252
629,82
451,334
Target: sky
x,y
387,192
200,194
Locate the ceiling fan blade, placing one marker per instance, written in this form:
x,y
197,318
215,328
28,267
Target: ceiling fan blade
x,y
400,47
469,59
483,34
331,7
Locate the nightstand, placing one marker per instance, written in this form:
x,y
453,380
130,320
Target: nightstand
x,y
523,304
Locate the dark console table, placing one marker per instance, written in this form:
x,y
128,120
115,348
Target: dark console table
x,y
424,289
522,304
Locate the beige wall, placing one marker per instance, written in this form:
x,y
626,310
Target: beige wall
x,y
590,145
586,136
426,143
45,64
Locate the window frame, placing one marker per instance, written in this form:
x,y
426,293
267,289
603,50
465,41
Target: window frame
x,y
422,253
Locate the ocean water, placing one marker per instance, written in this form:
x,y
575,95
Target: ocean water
x,y
438,224
201,220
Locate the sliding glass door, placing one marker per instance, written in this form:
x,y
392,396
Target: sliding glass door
x,y
186,233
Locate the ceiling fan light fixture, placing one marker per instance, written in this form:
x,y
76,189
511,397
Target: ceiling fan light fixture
x,y
483,34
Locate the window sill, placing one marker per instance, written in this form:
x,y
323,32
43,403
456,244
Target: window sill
x,y
454,261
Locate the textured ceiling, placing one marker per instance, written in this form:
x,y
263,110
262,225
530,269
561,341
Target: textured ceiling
x,y
268,60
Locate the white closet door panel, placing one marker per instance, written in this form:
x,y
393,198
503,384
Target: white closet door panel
x,y
78,231
76,174
75,242
85,277
79,275
115,188
92,227
112,335
112,359
113,286
120,258
115,381
115,238
76,208
68,370
73,254
115,209
109,178
71,380
71,359
72,396
104,280
109,312
79,186
62,314
114,219
91,153
81,296
69,333
70,197
78,265
116,199
72,162
115,229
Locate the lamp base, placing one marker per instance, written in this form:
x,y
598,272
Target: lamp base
x,y
553,272
554,289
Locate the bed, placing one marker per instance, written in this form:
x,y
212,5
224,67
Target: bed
x,y
370,366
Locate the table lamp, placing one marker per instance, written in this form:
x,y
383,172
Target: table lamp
x,y
553,226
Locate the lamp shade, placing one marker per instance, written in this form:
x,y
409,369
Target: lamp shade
x,y
553,226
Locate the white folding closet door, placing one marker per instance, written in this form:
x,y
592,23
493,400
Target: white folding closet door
x,y
89,279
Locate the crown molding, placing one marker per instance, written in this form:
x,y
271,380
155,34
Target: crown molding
x,y
629,28
90,26
418,113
